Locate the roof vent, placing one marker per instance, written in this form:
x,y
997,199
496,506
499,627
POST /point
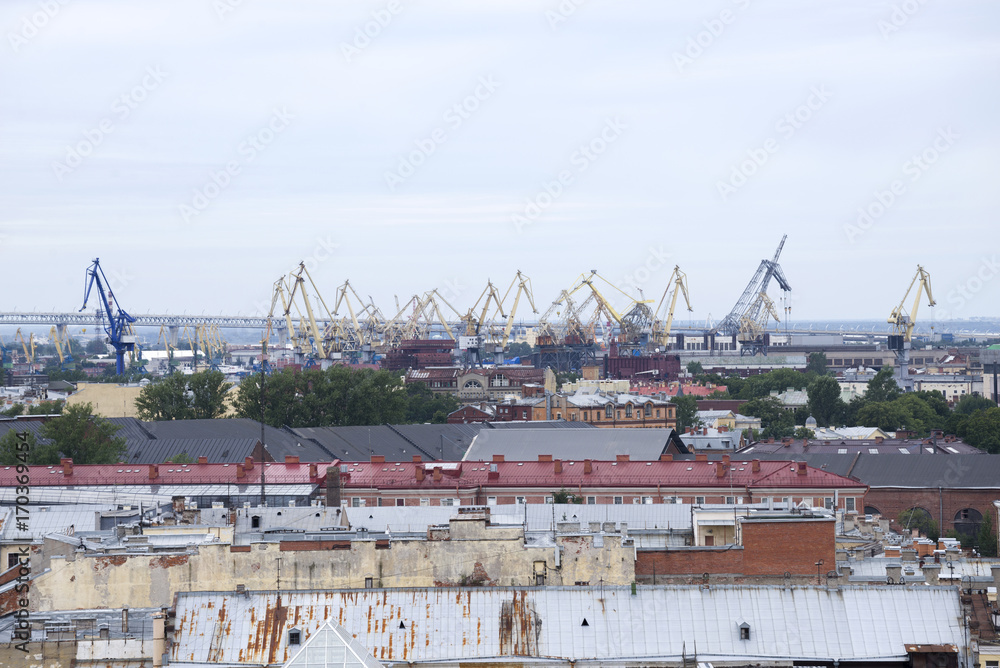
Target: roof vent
x,y
585,622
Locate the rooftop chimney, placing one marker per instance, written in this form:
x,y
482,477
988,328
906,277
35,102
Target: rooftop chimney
x,y
420,473
378,459
588,466
755,466
725,459
416,458
248,464
67,465
720,470
240,471
879,440
203,460
801,468
154,472
666,458
701,457
557,465
621,458
294,459
437,474
313,470
498,458
545,458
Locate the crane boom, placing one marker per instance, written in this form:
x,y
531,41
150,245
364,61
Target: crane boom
x,y
119,322
662,328
903,324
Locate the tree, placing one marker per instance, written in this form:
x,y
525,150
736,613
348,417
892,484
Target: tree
x,y
694,368
96,347
14,410
179,397
14,443
824,401
566,496
84,438
426,406
883,386
687,412
803,432
971,403
775,421
921,520
986,538
181,458
982,430
47,408
817,363
886,415
519,349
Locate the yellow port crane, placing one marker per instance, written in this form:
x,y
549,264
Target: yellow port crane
x,y
662,325
753,326
29,353
903,324
65,360
523,287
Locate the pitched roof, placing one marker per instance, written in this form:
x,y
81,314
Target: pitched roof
x,y
528,444
449,625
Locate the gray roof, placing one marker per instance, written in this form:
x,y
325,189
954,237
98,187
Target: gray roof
x,y
44,520
539,424
218,450
599,444
84,624
397,442
645,625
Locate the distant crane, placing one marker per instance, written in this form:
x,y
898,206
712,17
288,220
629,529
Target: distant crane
x,y
750,307
65,359
662,325
118,327
903,323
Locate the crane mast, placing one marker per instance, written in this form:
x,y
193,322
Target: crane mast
x,y
903,324
118,326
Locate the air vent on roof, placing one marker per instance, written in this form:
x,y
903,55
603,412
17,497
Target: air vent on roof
x,y
585,622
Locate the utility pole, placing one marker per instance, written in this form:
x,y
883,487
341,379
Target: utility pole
x,y
263,358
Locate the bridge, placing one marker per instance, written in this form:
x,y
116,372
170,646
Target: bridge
x,y
96,318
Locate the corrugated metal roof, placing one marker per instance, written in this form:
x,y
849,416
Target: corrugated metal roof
x,y
898,470
655,623
218,450
528,444
44,520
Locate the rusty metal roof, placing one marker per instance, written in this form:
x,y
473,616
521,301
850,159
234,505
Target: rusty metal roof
x,y
574,623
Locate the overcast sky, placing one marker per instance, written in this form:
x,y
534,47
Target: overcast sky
x,y
203,148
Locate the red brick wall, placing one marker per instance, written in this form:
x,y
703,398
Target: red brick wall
x,y
773,548
691,560
891,502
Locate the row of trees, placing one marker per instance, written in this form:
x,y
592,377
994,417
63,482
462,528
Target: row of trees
x,y
883,405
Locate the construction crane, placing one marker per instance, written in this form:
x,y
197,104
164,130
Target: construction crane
x,y
752,336
5,357
903,324
65,360
523,284
119,323
749,306
477,327
29,349
662,324
164,338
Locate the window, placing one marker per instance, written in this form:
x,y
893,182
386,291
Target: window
x,y
849,504
993,664
548,499
591,500
699,500
491,500
619,415
609,412
828,503
520,499
357,502
647,499
648,410
499,380
628,410
12,560
559,416
473,385
636,500
449,502
586,416
425,502
255,522
744,631
400,502
657,412
730,500
294,637
619,500
369,583
378,501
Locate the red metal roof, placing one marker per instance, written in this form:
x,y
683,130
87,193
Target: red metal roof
x,y
165,474
772,474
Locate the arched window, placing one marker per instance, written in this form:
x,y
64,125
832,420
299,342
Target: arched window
x,y
473,385
872,510
649,410
628,410
609,411
967,521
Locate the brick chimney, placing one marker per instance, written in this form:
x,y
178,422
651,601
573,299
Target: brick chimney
x,y
621,458
720,470
202,460
725,459
377,459
420,473
701,457
292,459
498,458
557,466
313,470
437,474
240,471
755,466
801,468
248,464
416,458
588,466
545,458
666,458
879,440
154,472
67,466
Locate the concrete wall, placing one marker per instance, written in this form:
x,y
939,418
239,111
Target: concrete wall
x,y
472,553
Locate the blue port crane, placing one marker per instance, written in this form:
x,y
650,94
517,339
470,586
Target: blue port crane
x,y
118,327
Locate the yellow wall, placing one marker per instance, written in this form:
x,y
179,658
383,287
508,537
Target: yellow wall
x,y
109,400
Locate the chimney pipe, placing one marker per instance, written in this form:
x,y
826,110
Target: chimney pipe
x,y
725,459
291,459
313,470
437,474
159,640
588,466
801,468
416,458
202,459
720,470
248,464
545,458
666,458
498,458
755,466
240,471
67,465
701,457
154,472
378,459
621,458
420,474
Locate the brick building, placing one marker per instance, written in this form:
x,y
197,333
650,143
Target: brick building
x,y
417,483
